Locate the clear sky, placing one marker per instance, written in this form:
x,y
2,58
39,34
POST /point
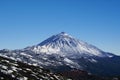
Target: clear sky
x,y
28,22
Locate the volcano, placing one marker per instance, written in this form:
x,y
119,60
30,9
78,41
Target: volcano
x,y
62,52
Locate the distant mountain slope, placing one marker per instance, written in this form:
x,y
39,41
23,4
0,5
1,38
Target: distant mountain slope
x,y
63,52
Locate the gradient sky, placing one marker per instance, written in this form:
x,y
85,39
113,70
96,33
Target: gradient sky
x,y
28,22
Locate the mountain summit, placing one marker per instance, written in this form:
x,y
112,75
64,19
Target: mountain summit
x,y
65,44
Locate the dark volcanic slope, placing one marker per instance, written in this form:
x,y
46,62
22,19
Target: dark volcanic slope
x,y
14,70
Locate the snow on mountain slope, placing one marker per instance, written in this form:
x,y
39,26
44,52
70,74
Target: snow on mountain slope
x,y
66,45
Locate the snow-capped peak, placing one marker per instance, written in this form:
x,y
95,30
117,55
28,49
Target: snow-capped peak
x,y
62,37
65,44
64,34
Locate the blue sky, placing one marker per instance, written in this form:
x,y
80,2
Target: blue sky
x,y
28,22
